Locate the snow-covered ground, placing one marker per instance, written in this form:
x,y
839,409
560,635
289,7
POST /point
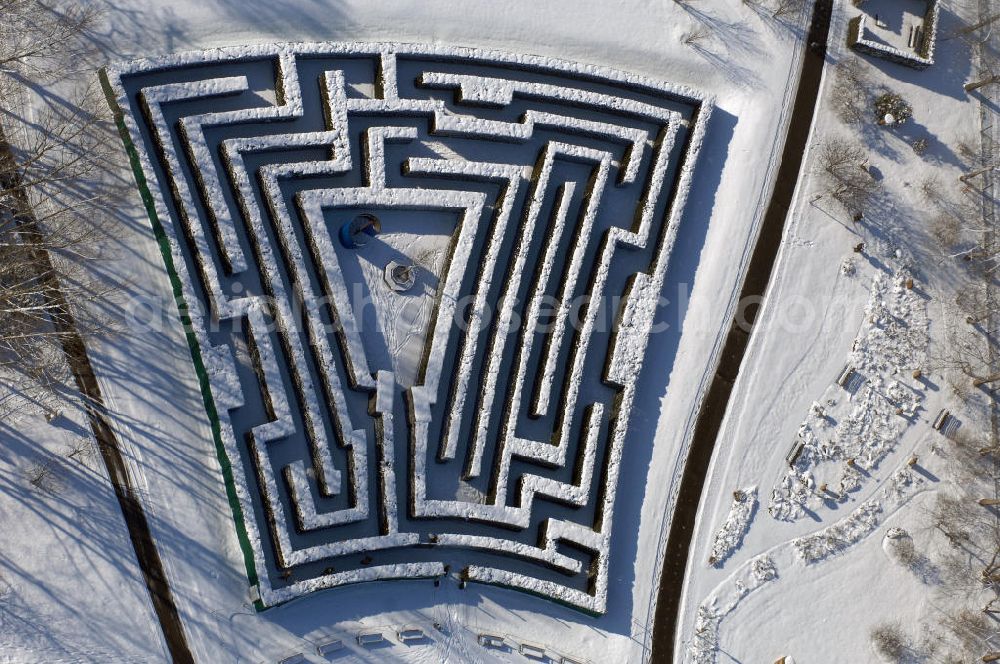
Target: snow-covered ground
x,y
748,62
70,586
828,384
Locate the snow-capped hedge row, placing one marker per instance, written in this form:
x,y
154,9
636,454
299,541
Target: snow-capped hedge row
x,y
864,520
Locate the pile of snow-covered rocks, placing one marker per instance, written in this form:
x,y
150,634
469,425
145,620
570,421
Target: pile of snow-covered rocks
x,y
860,418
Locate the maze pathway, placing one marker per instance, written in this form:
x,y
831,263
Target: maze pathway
x,y
473,422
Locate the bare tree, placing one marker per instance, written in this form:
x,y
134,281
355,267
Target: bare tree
x,y
946,231
41,474
969,149
699,34
950,517
905,551
81,449
52,202
970,628
787,8
846,176
851,90
40,40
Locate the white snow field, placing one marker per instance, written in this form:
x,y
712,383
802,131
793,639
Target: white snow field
x,y
827,418
70,586
562,100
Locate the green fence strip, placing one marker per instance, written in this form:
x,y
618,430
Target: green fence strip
x,y
206,390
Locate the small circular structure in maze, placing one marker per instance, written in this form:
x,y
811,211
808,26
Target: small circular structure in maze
x,y
478,423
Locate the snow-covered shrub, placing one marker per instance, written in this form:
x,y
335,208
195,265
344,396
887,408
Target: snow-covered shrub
x,y
763,569
840,536
889,641
730,535
891,108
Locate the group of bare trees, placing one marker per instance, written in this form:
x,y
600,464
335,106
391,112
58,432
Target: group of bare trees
x,y
54,146
964,243
967,229
974,32
963,538
842,160
958,237
780,10
851,91
970,566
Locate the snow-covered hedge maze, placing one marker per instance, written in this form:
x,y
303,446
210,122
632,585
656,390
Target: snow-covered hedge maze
x,y
474,422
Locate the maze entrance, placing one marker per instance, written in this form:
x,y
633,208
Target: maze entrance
x,y
449,391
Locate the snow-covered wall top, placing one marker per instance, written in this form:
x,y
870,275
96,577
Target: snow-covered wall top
x,y
922,56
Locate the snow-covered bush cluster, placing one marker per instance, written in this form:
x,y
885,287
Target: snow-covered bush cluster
x,y
861,522
841,535
730,535
702,647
